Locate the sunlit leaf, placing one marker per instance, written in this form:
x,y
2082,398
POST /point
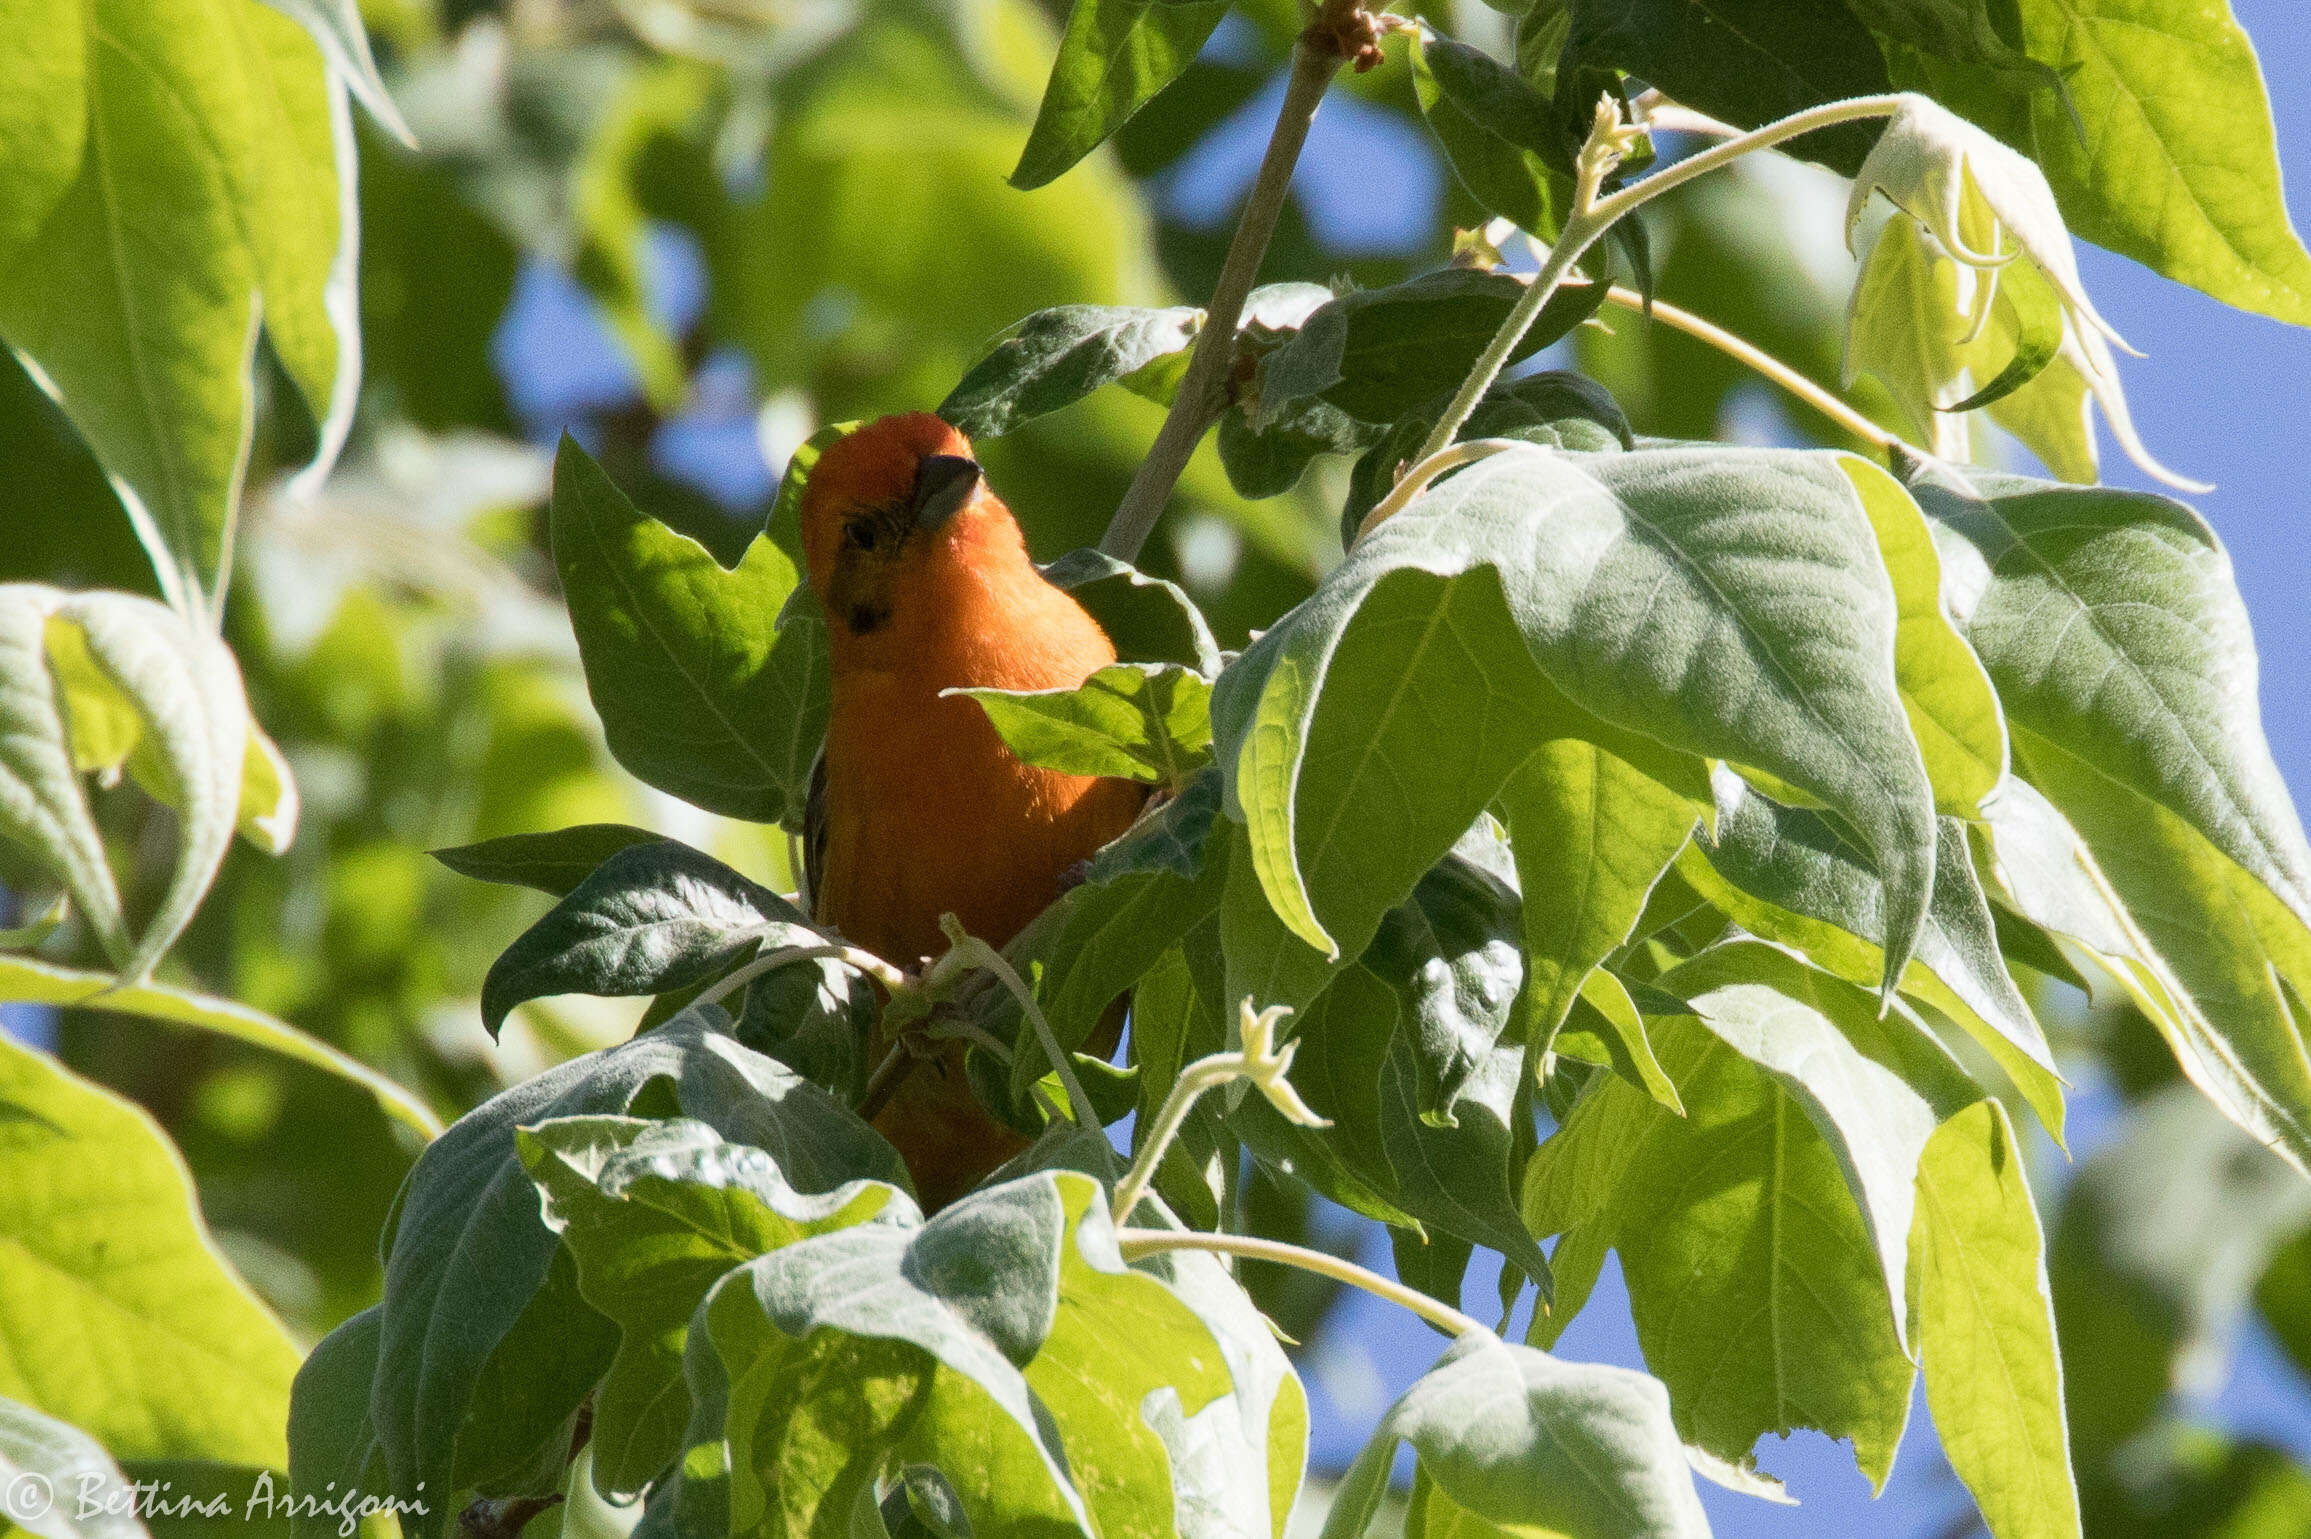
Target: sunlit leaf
x,y
28,980
1526,1443
1056,357
122,1317
60,1483
1985,1325
1136,721
656,1213
210,185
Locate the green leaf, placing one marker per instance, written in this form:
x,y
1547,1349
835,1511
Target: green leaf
x,y
1149,619
702,691
1605,1029
1056,357
1963,30
2114,632
1783,873
970,1344
1985,1324
469,1251
31,981
553,863
209,183
1177,1017
656,1213
1952,709
333,1453
122,1318
2179,168
651,919
1116,55
1729,603
1500,135
1758,1295
1592,833
1746,61
1135,721
1379,353
58,1482
1525,1443
99,682
1815,1035
1266,453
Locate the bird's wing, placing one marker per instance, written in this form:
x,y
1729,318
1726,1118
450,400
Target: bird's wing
x,y
814,833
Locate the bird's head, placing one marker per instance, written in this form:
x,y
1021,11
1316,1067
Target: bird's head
x,y
894,509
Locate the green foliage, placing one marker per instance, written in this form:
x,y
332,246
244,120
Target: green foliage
x,y
1740,808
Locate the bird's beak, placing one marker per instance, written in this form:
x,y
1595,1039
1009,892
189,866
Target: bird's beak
x,y
942,486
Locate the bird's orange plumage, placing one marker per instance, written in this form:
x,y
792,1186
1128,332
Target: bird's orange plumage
x,y
927,586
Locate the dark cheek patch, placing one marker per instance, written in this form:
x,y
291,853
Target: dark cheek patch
x,y
866,619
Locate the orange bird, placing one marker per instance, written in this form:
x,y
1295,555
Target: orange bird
x,y
919,809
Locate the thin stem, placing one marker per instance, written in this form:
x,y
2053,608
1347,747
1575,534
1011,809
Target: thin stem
x,y
1828,115
1416,478
1203,392
1592,216
1806,390
1202,1075
1135,1243
866,962
1580,233
888,1075
980,954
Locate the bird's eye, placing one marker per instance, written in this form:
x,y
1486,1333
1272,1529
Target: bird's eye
x,y
859,533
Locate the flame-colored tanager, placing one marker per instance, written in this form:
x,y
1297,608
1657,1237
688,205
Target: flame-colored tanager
x,y
919,809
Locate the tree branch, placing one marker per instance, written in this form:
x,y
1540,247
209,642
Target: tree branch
x,y
1203,393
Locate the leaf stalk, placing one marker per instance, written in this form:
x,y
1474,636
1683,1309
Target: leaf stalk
x,y
1135,1243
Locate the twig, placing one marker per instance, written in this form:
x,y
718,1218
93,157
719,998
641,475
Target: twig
x,y
897,1064
978,953
1417,476
1203,393
1258,1060
1135,1243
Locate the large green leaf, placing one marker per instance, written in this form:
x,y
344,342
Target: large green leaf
x,y
1730,603
207,180
702,691
656,1213
1758,1295
1985,1325
57,1482
1783,873
1149,619
469,1251
1821,1040
653,918
1526,1443
2178,167
1746,61
1116,55
31,981
121,1317
974,1344
2112,627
